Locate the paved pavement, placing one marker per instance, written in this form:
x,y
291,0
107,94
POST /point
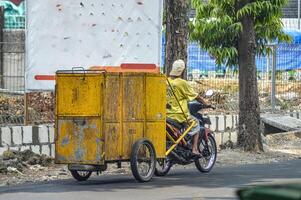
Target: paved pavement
x,y
180,184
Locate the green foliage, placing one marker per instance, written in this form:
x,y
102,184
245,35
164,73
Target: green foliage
x,y
217,26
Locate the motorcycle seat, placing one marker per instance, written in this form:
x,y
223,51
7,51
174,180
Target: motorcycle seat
x,y
175,123
206,120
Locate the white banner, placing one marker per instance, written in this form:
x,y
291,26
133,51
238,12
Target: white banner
x,y
62,34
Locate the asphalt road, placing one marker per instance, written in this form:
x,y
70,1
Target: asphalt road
x,y
180,184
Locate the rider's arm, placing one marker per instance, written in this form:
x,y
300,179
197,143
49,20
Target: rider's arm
x,y
201,100
192,95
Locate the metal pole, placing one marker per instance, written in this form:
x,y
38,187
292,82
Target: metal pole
x,y
267,68
299,14
1,46
26,111
273,87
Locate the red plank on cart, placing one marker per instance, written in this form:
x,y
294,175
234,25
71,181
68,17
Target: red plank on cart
x,y
138,66
44,77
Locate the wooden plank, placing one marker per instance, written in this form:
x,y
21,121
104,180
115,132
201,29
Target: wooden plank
x,y
285,123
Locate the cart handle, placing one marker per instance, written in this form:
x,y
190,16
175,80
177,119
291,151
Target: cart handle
x,y
81,69
87,70
78,69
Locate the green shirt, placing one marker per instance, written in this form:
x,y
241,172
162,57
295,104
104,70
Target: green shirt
x,y
184,93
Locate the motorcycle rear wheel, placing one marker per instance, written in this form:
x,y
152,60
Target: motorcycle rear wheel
x,y
209,153
163,167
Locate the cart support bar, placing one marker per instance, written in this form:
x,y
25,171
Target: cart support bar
x,y
171,138
179,140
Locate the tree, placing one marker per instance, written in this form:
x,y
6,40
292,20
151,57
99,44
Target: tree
x,y
176,22
234,31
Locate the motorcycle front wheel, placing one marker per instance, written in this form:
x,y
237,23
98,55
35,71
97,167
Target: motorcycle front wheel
x,y
209,152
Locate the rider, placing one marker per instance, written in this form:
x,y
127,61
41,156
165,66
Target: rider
x,y
184,93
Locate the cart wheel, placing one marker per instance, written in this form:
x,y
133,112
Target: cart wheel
x,y
81,175
143,160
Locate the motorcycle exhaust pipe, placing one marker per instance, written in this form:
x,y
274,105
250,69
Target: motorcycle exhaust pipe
x,y
178,158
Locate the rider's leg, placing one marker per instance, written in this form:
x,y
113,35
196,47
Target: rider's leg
x,y
195,149
195,132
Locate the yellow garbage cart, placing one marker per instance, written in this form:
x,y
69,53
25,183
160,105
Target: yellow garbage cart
x,y
104,117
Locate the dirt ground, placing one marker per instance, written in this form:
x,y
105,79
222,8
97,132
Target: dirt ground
x,y
278,148
40,108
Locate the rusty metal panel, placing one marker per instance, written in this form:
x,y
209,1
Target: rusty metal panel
x,y
79,140
79,94
113,141
133,97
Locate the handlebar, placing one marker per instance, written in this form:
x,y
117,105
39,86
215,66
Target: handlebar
x,y
209,106
195,107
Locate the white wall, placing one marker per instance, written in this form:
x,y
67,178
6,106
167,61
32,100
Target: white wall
x,y
62,34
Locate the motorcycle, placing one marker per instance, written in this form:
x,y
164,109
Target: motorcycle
x,y
182,153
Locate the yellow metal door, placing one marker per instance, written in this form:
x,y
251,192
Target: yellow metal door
x,y
79,94
155,92
79,118
112,116
135,109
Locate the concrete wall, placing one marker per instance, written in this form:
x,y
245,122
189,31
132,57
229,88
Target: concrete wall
x,y
40,139
224,128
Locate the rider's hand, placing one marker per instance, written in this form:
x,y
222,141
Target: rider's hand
x,y
204,102
208,105
211,106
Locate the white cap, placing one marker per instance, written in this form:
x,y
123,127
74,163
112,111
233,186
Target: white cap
x,y
177,68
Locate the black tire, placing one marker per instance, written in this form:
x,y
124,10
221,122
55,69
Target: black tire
x,y
162,167
138,156
80,175
209,155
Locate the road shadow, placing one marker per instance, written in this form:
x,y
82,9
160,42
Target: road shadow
x,y
231,177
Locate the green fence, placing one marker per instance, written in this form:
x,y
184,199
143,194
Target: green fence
x,y
14,22
14,13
